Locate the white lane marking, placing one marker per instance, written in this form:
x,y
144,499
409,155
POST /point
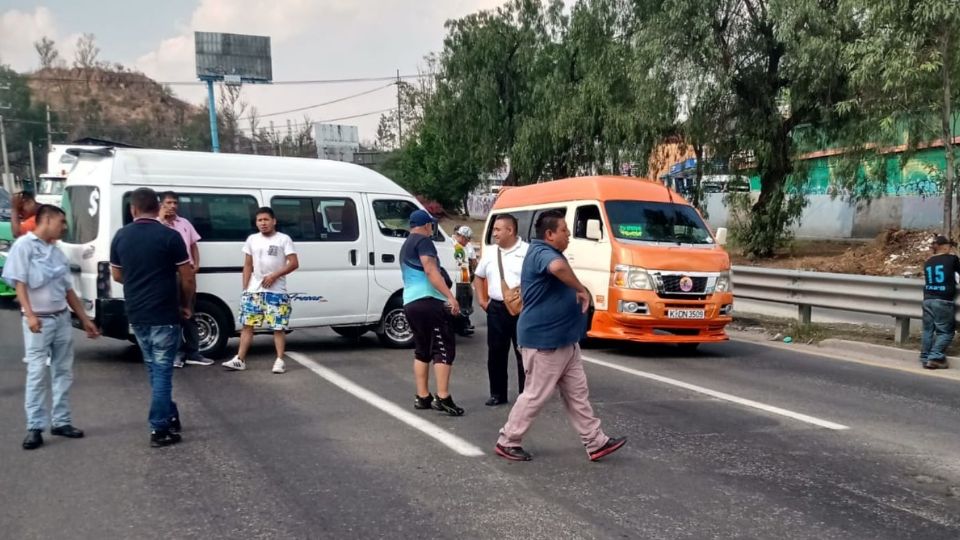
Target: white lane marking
x,y
453,442
720,395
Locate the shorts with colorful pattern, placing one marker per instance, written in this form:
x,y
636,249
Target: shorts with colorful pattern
x,y
265,309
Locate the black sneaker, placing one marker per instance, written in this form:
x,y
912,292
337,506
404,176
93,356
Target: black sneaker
x,y
422,403
175,426
159,439
513,453
612,446
936,364
447,405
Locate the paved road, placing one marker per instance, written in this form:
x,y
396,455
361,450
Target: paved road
x,y
739,441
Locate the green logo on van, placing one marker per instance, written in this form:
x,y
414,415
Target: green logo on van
x,y
631,231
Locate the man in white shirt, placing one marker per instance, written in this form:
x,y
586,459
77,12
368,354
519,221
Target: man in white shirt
x,y
268,257
501,325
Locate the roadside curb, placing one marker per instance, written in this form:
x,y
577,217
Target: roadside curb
x,y
857,352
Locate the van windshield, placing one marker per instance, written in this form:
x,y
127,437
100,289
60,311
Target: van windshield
x,y
657,222
81,204
51,186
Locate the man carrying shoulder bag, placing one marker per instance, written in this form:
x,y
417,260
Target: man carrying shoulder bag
x,y
497,285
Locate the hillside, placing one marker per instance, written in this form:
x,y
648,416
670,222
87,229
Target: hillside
x,y
117,104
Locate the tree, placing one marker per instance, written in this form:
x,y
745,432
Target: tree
x,y
48,52
87,52
905,69
23,120
779,64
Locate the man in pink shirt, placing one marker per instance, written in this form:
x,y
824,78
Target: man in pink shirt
x,y
190,348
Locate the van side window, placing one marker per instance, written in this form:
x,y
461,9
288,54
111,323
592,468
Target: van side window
x,y
393,218
216,217
584,214
536,215
317,219
524,221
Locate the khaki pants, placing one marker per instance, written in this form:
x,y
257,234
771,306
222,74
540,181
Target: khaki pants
x,y
545,370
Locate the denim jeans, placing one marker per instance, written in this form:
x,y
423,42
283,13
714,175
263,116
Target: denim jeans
x,y
939,325
56,341
159,345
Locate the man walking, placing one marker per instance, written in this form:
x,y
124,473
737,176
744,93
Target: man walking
x,y
424,292
549,331
268,257
940,274
190,348
499,273
466,257
149,259
40,273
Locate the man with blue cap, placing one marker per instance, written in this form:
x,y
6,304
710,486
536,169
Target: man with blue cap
x,y
426,297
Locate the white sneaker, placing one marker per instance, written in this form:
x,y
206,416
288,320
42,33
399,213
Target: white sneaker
x,y
235,364
279,366
178,362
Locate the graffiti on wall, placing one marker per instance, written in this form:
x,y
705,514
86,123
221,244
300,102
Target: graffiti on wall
x,y
479,205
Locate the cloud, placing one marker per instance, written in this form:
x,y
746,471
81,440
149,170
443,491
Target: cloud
x,y
19,30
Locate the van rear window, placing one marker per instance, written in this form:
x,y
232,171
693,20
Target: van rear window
x,y
82,207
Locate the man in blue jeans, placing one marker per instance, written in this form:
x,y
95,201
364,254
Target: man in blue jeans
x,y
940,274
40,273
147,257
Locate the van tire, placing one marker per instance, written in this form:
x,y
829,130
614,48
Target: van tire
x,y
215,327
350,332
394,330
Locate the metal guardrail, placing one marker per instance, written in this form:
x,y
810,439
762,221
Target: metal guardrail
x,y
900,298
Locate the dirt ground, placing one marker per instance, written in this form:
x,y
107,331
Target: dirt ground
x,y
894,252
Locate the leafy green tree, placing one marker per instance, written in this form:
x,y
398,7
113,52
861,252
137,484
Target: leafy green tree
x,y
24,122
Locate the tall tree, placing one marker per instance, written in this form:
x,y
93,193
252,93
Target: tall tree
x,y
905,68
47,50
779,61
87,52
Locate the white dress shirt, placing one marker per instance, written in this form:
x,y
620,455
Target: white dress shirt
x,y
512,266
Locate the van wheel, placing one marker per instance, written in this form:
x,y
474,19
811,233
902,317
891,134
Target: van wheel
x,y
350,332
395,331
215,326
688,348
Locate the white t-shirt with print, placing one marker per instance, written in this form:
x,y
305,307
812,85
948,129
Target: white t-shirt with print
x,y
269,254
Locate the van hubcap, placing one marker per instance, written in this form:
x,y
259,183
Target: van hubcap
x,y
208,329
396,327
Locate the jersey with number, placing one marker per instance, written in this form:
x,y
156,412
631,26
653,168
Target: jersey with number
x,y
940,277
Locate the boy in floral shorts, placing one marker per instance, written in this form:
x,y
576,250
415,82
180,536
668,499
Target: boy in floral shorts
x,y
268,257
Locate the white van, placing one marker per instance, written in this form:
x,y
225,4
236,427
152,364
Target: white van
x,y
348,223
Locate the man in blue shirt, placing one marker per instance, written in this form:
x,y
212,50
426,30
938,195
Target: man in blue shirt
x,y
152,263
425,295
40,273
549,331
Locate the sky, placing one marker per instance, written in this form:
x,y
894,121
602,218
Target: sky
x,y
310,40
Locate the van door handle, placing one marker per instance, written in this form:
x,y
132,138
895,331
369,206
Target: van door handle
x,y
353,257
373,259
387,258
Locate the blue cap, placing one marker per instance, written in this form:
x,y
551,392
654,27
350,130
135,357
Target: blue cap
x,y
419,218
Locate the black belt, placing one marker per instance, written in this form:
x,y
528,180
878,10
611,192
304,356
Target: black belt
x,y
497,301
53,315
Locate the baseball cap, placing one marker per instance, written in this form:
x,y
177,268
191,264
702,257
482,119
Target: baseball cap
x,y
465,232
419,218
941,240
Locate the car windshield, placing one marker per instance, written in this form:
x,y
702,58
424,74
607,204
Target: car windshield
x,y
51,186
657,222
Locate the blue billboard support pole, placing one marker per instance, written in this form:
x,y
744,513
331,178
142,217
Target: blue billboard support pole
x,y
214,135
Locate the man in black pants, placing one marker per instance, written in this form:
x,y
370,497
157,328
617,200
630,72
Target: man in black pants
x,y
501,325
939,296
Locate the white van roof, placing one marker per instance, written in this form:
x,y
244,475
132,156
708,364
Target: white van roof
x,y
174,168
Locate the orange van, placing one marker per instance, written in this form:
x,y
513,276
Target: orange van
x,y
655,271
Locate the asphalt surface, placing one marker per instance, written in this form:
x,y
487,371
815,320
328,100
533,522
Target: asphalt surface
x,y
716,450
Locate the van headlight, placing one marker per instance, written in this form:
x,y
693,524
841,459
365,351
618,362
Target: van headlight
x,y
724,283
631,277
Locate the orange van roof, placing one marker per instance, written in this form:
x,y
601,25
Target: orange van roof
x,y
600,188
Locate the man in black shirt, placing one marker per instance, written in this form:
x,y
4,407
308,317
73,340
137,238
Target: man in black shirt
x,y
940,274
147,257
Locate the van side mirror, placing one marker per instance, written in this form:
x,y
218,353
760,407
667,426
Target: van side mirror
x,y
593,230
722,236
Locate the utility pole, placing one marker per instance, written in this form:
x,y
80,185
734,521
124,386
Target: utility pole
x,y
49,131
33,166
290,134
253,136
7,179
273,132
399,114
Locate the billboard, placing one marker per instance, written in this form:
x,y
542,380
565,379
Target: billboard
x,y
233,56
336,142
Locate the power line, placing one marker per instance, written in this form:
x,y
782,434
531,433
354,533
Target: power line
x,y
304,124
391,78
308,107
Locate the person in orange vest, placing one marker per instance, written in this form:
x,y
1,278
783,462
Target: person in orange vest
x,y
23,218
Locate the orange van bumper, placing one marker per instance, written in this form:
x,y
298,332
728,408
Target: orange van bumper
x,y
653,325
